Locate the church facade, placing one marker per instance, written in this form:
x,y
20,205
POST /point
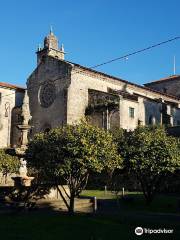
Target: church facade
x,y
61,92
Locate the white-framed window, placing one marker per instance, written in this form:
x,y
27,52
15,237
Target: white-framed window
x,y
131,112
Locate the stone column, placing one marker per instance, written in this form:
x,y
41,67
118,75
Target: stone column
x,y
106,124
24,137
24,127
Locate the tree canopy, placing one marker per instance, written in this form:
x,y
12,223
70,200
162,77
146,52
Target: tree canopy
x,y
8,163
70,153
151,154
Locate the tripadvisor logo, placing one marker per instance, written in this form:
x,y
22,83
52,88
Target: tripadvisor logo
x,y
139,231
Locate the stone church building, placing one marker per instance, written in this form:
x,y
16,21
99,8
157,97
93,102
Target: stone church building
x,y
63,92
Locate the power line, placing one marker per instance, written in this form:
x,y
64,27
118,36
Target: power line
x,y
125,56
109,61
136,52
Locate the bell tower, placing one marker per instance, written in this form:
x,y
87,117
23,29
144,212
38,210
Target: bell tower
x,y
50,48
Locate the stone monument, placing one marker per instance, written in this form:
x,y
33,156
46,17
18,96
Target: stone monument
x,y
26,117
23,168
22,179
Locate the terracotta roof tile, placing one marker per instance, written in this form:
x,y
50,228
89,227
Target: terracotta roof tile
x,y
7,85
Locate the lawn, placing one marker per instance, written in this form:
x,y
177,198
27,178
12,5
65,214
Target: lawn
x,y
53,226
36,226
100,194
46,225
162,203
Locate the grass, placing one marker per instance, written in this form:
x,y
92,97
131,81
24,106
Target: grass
x,y
99,194
40,225
161,203
36,226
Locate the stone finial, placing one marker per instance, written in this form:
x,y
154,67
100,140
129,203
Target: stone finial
x,y
51,30
39,47
62,47
25,110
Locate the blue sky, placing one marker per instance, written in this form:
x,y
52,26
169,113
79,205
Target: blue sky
x,y
92,32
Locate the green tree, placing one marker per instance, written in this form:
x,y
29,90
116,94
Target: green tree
x,y
8,163
70,153
151,154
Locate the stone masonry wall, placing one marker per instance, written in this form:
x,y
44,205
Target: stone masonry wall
x,y
83,80
171,86
72,84
57,73
10,98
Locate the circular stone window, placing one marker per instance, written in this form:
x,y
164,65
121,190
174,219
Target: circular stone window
x,y
47,94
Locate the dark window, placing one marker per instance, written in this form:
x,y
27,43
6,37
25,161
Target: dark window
x,y
131,112
152,120
178,122
165,90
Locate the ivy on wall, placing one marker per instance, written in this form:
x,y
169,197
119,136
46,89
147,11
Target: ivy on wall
x,y
102,104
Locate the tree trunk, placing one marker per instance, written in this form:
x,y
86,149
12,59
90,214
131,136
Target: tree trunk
x,y
148,194
71,204
149,199
63,198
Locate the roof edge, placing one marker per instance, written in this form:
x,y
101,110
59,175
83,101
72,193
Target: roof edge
x,y
125,81
170,78
110,76
12,86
